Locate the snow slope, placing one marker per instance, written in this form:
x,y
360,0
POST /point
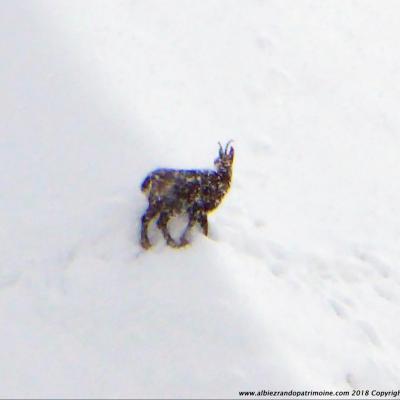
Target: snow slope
x,y
297,285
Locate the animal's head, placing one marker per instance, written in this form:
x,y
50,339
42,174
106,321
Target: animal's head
x,y
225,157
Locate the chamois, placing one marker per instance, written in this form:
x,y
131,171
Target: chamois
x,y
193,192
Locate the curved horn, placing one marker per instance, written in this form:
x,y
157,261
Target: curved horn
x,y
226,147
221,150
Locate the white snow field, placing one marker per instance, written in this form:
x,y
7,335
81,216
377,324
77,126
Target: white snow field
x,y
297,286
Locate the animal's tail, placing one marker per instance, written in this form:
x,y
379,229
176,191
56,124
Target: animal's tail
x,y
146,184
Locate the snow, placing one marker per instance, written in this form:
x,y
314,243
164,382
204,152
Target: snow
x,y
297,285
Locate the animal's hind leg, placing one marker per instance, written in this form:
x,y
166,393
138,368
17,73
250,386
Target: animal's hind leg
x,y
149,214
162,224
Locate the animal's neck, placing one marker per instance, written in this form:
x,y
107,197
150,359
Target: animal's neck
x,y
225,175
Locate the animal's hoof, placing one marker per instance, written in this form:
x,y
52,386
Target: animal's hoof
x,y
145,244
183,242
172,243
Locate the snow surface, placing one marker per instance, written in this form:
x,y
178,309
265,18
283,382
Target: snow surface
x,y
297,286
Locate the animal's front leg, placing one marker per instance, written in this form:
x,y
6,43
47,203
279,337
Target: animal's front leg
x,y
203,221
162,224
183,239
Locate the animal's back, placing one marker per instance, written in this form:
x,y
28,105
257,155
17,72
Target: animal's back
x,y
162,182
155,176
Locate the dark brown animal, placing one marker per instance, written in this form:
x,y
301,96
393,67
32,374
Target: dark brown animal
x,y
193,192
